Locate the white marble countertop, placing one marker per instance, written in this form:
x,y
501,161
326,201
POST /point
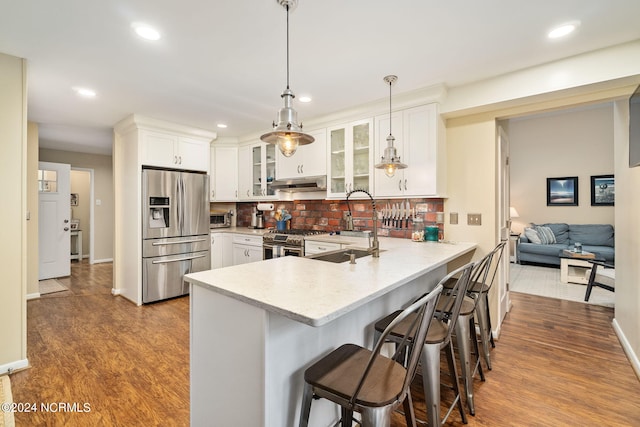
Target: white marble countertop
x,y
316,292
241,230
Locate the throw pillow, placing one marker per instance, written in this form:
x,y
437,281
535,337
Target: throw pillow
x,y
546,235
532,235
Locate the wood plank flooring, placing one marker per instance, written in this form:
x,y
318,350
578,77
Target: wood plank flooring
x,y
557,363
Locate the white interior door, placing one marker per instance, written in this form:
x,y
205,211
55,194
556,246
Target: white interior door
x,y
504,301
54,213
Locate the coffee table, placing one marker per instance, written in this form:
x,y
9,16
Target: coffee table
x,y
574,269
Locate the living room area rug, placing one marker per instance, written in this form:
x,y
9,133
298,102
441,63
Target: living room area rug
x,y
545,281
6,417
50,286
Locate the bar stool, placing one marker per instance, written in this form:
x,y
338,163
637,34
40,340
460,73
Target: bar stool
x,y
479,291
364,381
438,339
465,329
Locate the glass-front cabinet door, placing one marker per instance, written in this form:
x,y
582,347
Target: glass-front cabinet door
x,y
263,170
337,156
351,158
270,169
362,154
256,170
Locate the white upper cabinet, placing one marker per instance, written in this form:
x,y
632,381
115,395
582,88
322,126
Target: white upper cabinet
x,y
257,171
350,158
224,174
308,160
418,142
169,150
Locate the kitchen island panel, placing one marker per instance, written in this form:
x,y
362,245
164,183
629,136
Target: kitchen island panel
x,y
278,346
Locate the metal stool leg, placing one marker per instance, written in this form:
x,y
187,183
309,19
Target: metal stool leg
x,y
464,353
481,312
430,360
376,417
454,376
305,409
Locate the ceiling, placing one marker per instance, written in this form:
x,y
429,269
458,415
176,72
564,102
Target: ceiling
x,y
225,61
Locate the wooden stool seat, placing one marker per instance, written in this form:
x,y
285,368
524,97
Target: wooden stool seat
x,y
340,371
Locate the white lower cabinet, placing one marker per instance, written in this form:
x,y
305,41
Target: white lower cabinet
x,y
246,249
315,247
221,250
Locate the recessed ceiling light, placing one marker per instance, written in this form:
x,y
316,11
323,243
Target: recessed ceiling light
x,y
85,92
563,30
305,98
145,31
222,126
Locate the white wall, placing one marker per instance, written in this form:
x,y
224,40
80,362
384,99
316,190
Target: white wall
x,y
627,298
13,233
576,142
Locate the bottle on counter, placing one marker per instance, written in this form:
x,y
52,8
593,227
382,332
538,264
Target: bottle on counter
x,y
417,235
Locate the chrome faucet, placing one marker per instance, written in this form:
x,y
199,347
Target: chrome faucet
x,y
374,246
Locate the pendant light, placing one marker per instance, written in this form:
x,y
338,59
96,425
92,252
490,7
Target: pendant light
x,y
287,133
390,161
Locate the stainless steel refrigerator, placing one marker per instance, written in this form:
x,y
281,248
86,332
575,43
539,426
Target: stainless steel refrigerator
x,y
175,231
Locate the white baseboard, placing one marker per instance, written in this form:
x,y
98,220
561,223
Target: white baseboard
x,y
14,366
35,295
115,291
626,346
99,261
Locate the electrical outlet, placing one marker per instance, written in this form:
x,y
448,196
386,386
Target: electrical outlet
x,y
453,217
474,219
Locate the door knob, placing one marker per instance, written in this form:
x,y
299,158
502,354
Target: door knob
x,y
66,221
66,229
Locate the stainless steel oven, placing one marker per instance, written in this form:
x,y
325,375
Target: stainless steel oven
x,y
285,242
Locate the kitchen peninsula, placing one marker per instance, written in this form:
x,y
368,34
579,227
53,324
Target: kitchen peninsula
x,y
256,327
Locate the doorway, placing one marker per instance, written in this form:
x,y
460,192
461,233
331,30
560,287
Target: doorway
x,y
82,213
54,228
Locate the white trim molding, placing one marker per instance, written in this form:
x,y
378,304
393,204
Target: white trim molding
x,y
626,346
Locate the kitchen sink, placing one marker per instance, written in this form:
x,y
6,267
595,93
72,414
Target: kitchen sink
x,y
342,255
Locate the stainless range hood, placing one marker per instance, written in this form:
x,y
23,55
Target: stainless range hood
x,y
296,185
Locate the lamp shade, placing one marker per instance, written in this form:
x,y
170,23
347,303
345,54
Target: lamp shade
x,y
513,213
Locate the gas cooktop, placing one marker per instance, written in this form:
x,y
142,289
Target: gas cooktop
x,y
298,232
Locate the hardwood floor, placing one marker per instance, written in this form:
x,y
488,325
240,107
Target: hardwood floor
x,y
129,363
557,363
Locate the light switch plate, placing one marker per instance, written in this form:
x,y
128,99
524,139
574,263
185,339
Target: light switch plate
x,y
453,217
474,219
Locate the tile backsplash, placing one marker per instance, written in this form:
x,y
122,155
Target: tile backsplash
x,y
327,215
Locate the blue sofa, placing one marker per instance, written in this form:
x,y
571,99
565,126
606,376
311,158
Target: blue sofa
x,y
597,238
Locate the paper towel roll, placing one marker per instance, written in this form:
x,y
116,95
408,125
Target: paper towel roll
x,y
265,206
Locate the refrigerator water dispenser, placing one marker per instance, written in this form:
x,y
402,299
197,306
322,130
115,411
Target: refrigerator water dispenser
x,y
158,212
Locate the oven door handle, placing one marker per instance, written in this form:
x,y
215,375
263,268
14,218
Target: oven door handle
x,y
178,243
177,260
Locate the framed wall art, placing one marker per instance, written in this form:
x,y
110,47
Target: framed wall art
x,y
603,190
74,199
562,191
